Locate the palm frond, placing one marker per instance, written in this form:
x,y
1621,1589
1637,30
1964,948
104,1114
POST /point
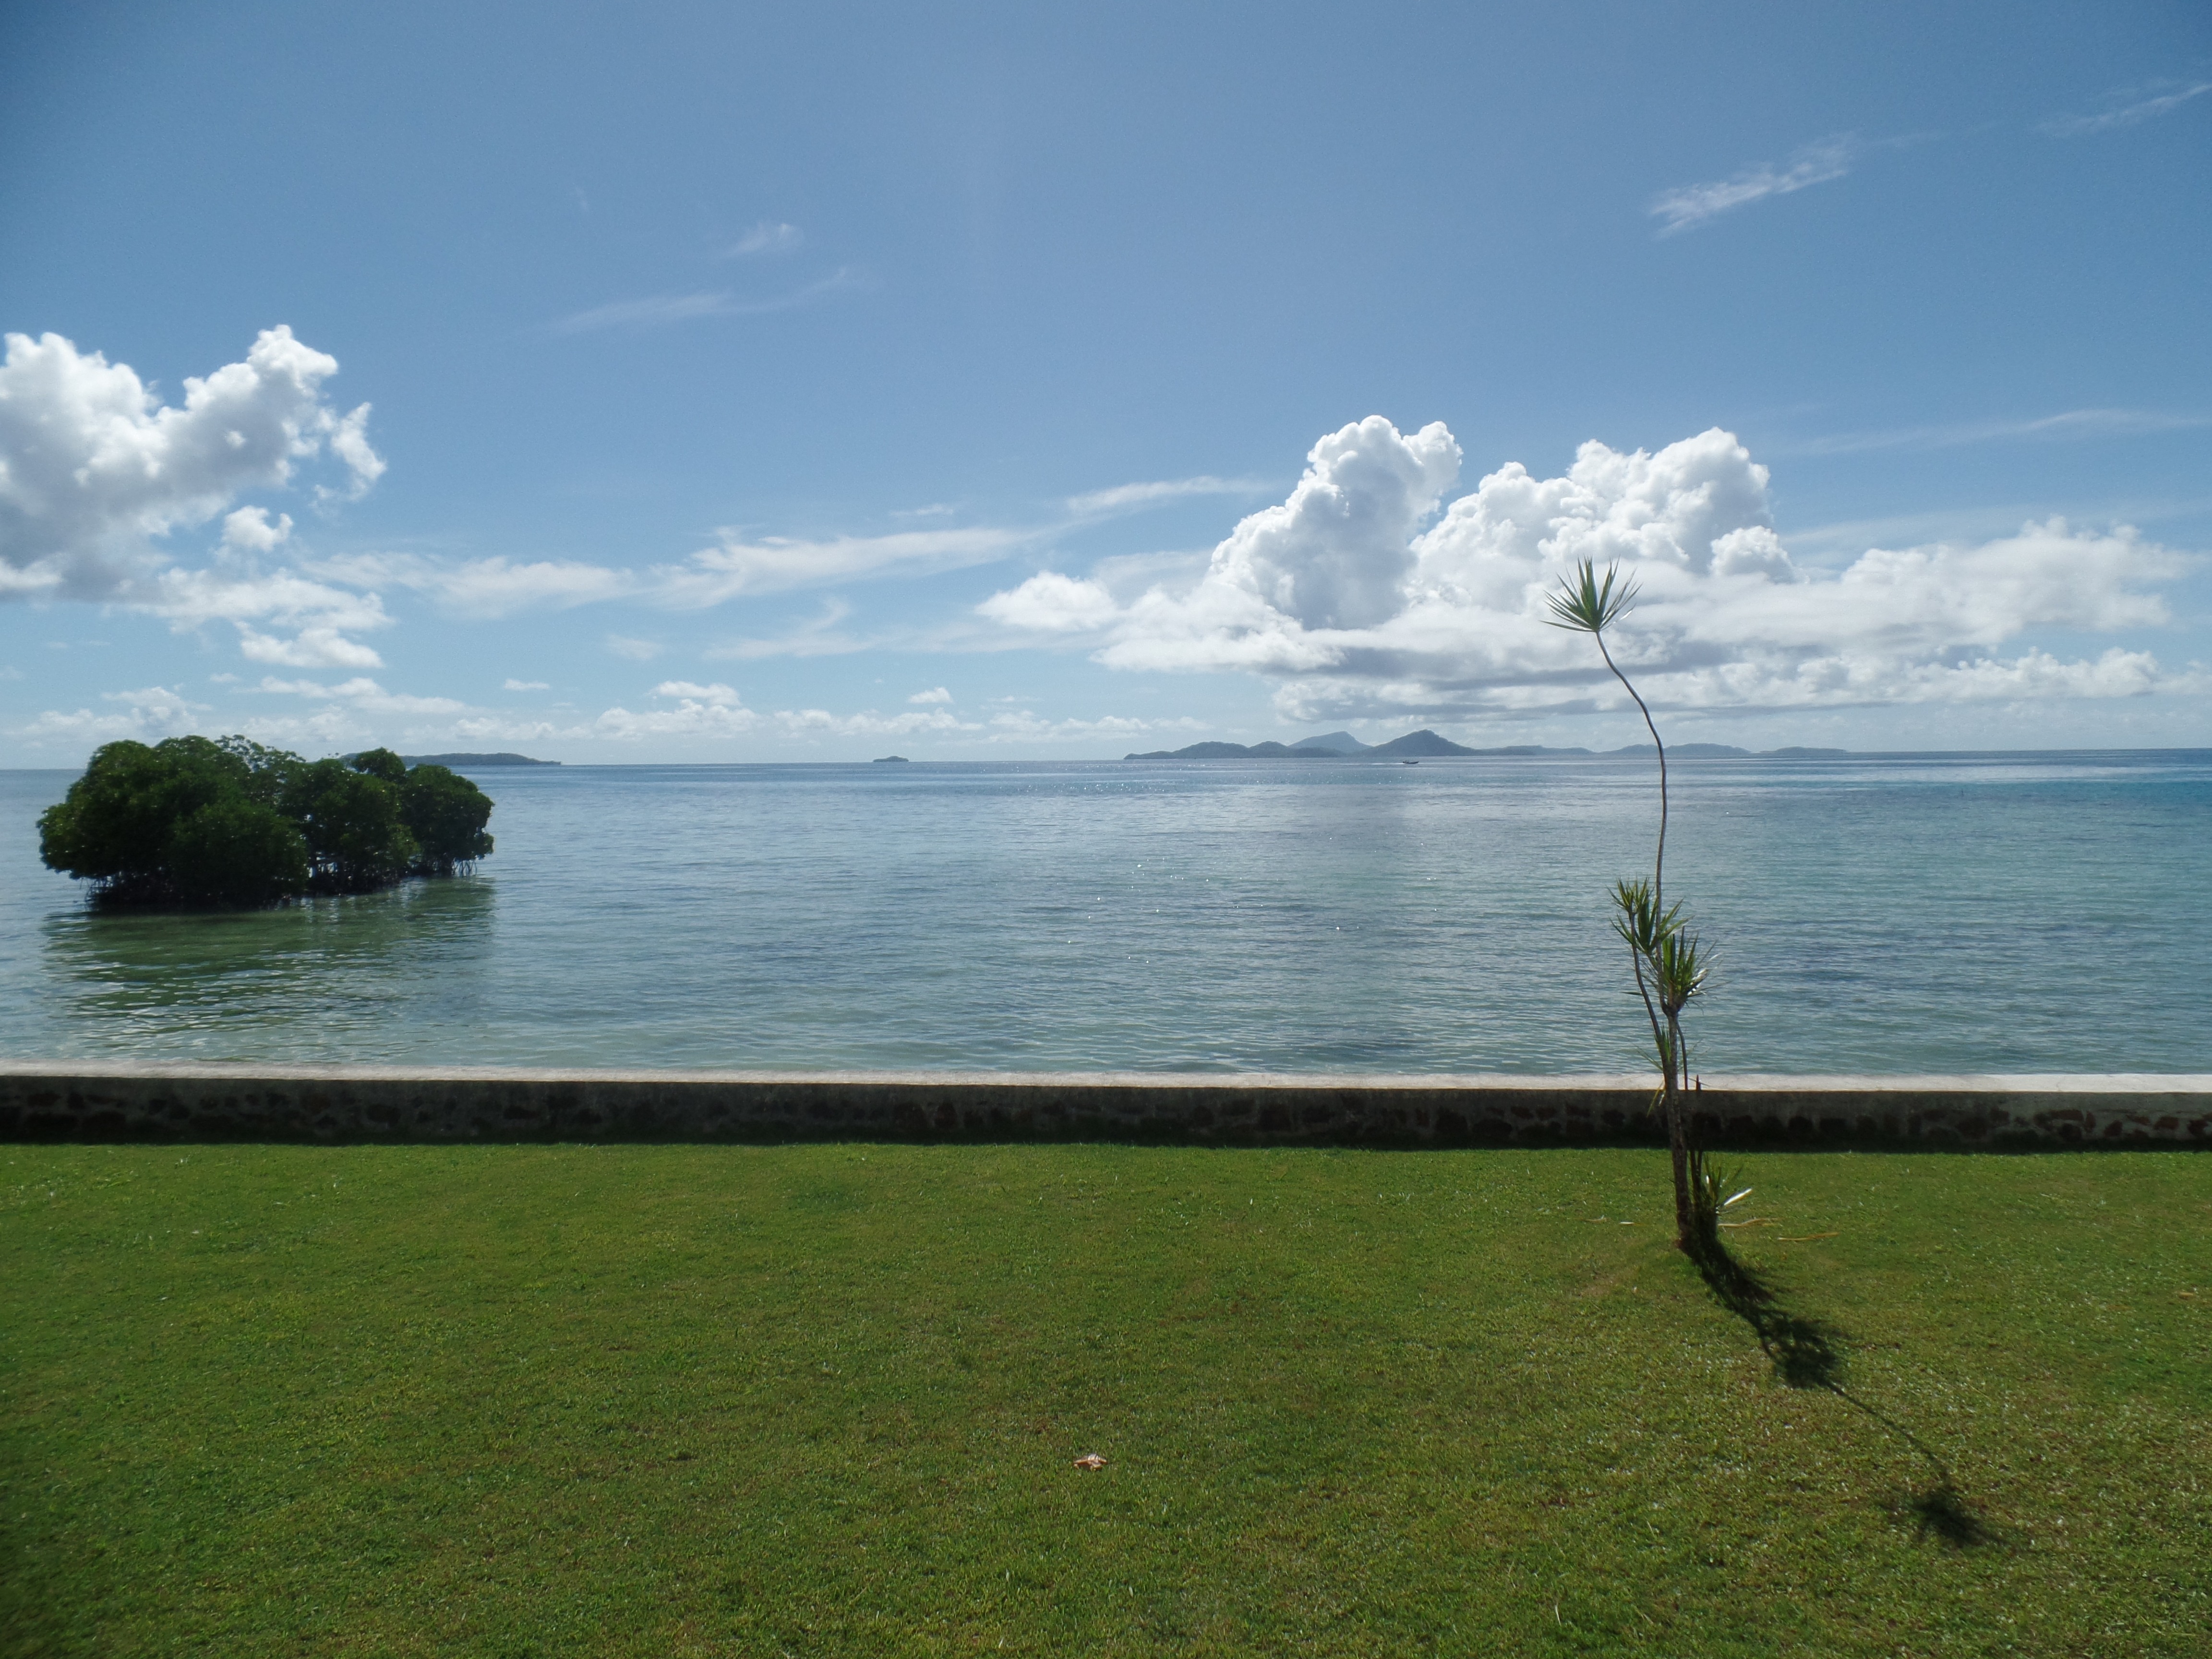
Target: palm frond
x,y
1641,923
1678,968
1588,605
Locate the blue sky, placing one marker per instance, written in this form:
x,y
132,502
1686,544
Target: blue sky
x,y
781,383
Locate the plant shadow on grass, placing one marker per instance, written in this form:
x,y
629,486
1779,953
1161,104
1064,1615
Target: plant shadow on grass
x,y
1806,1353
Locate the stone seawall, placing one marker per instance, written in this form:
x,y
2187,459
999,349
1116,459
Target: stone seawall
x,y
87,1101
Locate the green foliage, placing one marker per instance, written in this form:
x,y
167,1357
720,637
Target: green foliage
x,y
446,815
1587,605
356,836
1713,1187
114,821
381,763
230,823
149,825
237,852
267,769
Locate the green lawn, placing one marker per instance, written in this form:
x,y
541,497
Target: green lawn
x,y
823,1399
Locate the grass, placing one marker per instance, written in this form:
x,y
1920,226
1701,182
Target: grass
x,y
826,1399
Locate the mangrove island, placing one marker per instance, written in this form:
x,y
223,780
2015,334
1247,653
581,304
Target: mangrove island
x,y
227,823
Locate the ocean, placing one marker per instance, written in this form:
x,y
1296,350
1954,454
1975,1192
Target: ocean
x,y
2041,912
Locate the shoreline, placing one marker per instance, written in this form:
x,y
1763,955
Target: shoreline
x,y
144,1100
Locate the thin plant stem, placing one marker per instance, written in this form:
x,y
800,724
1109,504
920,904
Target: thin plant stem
x,y
1587,606
1659,861
1651,1012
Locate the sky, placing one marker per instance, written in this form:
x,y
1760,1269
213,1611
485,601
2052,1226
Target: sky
x,y
747,383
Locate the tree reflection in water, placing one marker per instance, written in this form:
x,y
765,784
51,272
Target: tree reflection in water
x,y
323,977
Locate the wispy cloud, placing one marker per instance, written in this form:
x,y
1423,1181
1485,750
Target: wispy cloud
x,y
821,723
482,588
1130,497
1688,206
1691,205
775,563
2073,424
817,636
738,565
157,711
660,309
767,237
1820,544
663,309
365,694
1024,726
2074,126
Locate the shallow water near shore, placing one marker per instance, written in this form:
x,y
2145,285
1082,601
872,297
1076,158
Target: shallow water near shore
x,y
2008,913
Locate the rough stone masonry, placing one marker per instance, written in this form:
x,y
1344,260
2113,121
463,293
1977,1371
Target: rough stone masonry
x,y
95,1101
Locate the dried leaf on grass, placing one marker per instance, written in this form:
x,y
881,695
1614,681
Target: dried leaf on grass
x,y
1090,1461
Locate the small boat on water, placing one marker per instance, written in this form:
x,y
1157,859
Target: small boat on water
x,y
1409,763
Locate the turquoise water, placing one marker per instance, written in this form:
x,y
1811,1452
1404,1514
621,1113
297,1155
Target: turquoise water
x,y
1899,914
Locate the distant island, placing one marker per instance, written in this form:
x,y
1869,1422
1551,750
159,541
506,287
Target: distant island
x,y
886,760
475,760
1342,745
1336,745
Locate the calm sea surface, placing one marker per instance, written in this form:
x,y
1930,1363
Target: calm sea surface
x,y
1891,913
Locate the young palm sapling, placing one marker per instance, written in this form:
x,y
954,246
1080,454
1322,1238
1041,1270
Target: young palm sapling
x,y
1663,954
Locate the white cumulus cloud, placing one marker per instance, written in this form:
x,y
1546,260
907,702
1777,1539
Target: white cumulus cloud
x,y
97,474
95,469
1050,603
720,695
311,647
697,711
1362,602
322,617
250,530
